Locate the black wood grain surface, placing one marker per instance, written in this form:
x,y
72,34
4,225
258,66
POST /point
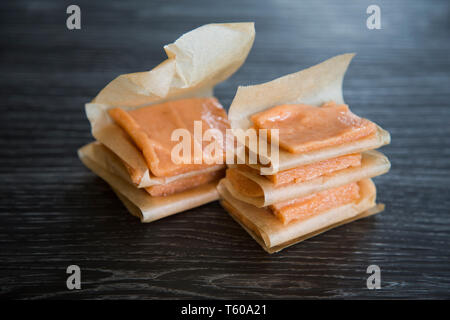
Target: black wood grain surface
x,y
54,212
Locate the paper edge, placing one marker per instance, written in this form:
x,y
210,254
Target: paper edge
x,y
379,207
381,138
379,165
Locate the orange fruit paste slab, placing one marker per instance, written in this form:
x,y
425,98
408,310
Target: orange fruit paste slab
x,y
304,128
151,128
306,207
249,188
311,171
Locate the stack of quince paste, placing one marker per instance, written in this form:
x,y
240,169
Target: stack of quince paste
x,y
140,119
321,175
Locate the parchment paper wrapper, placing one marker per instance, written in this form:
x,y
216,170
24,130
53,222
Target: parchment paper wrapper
x,y
196,62
373,163
147,208
273,236
314,86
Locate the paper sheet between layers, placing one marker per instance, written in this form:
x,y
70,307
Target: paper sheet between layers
x,y
273,236
147,208
314,86
197,61
373,163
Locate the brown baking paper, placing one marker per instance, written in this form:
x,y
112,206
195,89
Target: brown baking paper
x,y
140,204
314,86
273,236
196,62
373,163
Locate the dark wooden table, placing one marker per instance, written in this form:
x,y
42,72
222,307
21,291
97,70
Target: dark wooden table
x,y
54,212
